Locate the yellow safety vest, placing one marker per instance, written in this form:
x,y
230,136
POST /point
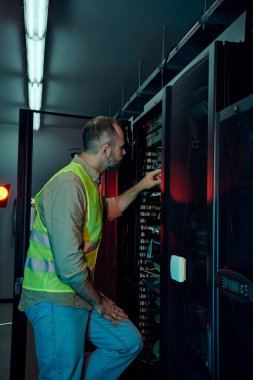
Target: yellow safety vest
x,y
40,274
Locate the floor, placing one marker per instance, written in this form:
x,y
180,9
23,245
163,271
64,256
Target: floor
x,y
5,339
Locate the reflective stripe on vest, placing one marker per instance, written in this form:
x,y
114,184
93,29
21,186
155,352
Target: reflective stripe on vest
x,y
41,265
39,237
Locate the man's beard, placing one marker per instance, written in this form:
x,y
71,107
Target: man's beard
x,y
112,164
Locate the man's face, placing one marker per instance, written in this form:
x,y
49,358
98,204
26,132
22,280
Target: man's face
x,y
118,150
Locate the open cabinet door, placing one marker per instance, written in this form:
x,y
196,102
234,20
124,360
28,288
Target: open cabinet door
x,y
41,154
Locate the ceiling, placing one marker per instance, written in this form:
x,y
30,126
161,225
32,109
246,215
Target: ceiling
x,y
92,51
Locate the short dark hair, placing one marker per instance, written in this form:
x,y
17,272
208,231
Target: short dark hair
x,y
97,132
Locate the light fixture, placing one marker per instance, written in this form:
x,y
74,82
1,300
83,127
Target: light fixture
x,y
35,95
35,15
35,59
36,18
36,121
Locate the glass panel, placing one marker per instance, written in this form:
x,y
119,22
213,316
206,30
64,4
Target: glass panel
x,y
236,239
188,222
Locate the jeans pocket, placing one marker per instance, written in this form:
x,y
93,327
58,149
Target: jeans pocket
x,y
31,314
33,311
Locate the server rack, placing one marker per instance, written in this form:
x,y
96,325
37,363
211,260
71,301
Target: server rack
x,y
140,247
180,144
148,134
186,232
184,113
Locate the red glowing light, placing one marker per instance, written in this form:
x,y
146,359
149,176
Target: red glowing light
x,y
4,192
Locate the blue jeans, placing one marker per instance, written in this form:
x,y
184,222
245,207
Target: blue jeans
x,y
60,338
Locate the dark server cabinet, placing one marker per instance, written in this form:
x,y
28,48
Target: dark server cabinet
x,y
174,225
235,249
186,224
171,223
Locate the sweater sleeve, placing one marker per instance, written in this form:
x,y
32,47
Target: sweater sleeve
x,y
62,209
112,208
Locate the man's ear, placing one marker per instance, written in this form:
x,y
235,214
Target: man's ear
x,y
106,150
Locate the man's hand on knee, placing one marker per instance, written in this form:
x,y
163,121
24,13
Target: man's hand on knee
x,y
109,310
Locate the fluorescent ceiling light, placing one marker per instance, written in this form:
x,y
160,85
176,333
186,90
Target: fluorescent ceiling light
x,y
36,121
36,12
35,15
35,59
35,95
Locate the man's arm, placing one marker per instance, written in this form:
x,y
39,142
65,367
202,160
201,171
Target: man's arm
x,y
150,180
115,206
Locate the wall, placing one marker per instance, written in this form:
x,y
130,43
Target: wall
x,y
8,174
51,151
